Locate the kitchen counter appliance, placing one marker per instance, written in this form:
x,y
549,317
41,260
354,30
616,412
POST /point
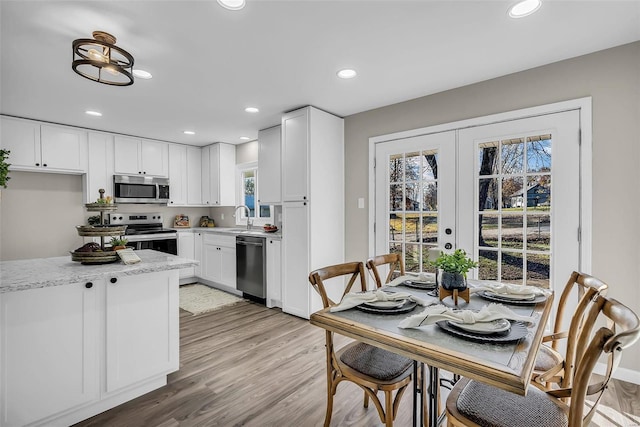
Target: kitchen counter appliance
x,y
140,189
251,267
145,231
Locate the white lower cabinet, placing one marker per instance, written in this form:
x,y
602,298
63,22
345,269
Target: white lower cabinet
x,y
219,259
135,306
274,273
49,351
197,253
186,249
72,351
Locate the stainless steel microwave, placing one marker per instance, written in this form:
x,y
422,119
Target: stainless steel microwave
x,y
140,189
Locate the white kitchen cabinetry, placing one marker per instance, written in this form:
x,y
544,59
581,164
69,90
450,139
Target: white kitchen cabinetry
x,y
100,167
135,156
270,166
313,203
177,174
186,249
49,351
141,332
274,273
44,148
219,259
194,175
197,253
218,175
69,352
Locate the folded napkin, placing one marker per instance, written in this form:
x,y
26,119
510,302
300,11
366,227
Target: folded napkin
x,y
435,313
507,288
351,300
419,277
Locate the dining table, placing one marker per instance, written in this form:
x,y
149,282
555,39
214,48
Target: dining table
x,y
506,364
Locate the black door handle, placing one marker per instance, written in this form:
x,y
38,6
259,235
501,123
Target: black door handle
x,y
448,246
114,280
88,285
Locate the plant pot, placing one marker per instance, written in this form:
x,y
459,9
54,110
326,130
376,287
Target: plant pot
x,y
452,281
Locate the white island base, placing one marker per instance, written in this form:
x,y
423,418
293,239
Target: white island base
x,y
71,351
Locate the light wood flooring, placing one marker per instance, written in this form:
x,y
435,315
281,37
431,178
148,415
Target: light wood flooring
x,y
247,365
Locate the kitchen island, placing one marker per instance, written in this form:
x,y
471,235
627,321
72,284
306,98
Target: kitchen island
x,y
76,340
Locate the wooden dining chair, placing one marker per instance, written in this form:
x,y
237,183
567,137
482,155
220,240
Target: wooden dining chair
x,y
472,403
371,368
394,261
552,367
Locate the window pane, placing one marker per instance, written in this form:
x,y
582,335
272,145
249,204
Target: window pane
x,y
396,227
538,271
488,230
413,167
412,228
430,196
512,156
426,266
538,232
412,257
489,199
488,265
512,231
430,229
396,169
512,193
539,193
412,198
487,161
539,153
512,267
395,197
430,170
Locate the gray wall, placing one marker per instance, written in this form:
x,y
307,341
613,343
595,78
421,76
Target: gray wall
x,y
611,78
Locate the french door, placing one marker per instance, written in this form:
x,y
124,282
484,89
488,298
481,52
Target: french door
x,y
508,193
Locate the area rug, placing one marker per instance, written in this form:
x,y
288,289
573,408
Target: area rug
x,y
198,298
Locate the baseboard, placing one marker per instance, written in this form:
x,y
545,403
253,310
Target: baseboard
x,y
622,374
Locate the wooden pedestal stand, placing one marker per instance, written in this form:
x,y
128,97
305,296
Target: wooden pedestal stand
x,y
464,294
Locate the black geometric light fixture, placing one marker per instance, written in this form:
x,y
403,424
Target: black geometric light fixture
x,y
100,60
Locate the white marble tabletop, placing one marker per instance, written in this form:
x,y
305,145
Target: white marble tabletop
x,y
43,272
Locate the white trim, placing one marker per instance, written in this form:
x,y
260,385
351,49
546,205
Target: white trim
x,y
240,219
622,374
581,104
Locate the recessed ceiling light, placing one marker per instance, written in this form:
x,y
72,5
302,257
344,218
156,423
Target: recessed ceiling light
x,y
524,8
142,74
251,110
347,73
93,113
189,132
232,4
245,138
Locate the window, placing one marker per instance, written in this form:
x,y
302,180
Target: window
x,y
248,191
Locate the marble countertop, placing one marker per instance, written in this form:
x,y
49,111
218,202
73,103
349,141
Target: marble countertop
x,y
43,272
237,231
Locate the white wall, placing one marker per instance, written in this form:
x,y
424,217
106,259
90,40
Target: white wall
x,y
611,78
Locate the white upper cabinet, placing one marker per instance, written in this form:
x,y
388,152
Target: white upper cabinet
x,y
194,175
269,166
44,148
218,175
135,156
177,171
295,155
100,168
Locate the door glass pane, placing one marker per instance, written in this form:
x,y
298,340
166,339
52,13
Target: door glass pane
x,y
413,206
514,204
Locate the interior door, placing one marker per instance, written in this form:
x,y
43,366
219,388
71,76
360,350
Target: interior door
x,y
415,197
508,193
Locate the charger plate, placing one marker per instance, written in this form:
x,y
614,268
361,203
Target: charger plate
x,y
385,305
419,284
404,308
484,328
517,332
498,298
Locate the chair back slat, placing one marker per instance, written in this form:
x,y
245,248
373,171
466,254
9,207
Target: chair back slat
x,y
395,264
353,270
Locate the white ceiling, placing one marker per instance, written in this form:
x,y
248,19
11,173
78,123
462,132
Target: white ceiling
x,y
209,63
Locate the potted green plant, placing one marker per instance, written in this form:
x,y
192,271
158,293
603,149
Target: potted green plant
x,y
118,243
454,268
4,168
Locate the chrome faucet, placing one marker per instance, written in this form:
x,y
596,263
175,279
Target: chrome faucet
x,y
246,208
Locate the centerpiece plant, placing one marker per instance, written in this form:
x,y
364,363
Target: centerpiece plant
x,y
4,168
455,267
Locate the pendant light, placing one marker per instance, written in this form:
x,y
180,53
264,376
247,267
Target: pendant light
x,y
100,60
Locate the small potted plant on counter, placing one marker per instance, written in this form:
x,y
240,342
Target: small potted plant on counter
x,y
454,268
118,243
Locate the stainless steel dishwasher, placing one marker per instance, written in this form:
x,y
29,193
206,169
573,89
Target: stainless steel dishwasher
x,y
251,266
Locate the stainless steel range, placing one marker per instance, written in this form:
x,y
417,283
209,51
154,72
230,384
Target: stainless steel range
x,y
145,231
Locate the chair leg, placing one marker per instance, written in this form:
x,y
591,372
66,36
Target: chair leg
x,y
388,409
366,400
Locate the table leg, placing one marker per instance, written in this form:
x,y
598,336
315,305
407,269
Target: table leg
x,y
418,393
434,390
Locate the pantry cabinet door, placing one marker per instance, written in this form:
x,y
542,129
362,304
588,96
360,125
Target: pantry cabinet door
x,y
63,148
22,138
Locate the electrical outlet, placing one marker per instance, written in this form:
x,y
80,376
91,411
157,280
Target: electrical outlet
x,y
361,203
222,216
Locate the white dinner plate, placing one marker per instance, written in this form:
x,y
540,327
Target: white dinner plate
x,y
492,327
386,304
514,297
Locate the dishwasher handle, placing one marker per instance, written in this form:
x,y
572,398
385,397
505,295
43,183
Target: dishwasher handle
x,y
243,243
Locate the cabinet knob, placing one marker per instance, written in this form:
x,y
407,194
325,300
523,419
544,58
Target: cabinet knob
x,y
140,172
45,165
88,285
144,172
37,164
172,201
304,197
114,280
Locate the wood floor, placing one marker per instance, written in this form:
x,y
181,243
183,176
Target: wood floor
x,y
246,365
